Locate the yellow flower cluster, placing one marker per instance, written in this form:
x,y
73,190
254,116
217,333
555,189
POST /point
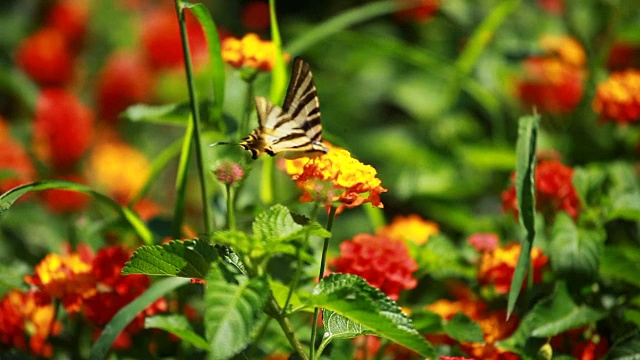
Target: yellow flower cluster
x,y
336,177
249,52
410,228
618,98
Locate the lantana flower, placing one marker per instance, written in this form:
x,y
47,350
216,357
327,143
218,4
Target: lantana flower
x,y
554,82
336,177
497,267
25,324
410,228
618,98
383,262
249,52
14,160
582,343
554,190
46,57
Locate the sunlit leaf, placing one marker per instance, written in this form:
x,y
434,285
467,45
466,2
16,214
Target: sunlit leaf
x,y
191,259
276,225
177,325
340,327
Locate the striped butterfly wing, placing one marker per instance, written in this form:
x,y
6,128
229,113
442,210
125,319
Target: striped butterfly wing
x,y
293,130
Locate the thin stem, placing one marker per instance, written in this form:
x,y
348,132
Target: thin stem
x,y
231,214
316,311
196,117
273,310
305,245
243,129
266,181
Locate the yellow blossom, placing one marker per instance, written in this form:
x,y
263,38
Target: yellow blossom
x,y
250,52
412,228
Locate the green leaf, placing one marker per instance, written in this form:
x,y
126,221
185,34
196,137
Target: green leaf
x,y
278,73
12,276
280,292
626,206
525,190
216,64
181,181
627,347
234,312
575,252
462,328
427,322
7,199
277,225
168,114
632,316
552,316
337,326
440,258
621,262
128,313
237,240
351,297
159,163
179,326
190,258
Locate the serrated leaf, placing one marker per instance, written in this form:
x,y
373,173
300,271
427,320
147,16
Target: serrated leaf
x,y
340,327
276,225
575,252
237,240
234,312
190,258
351,297
8,198
552,316
622,263
177,325
462,328
525,190
123,317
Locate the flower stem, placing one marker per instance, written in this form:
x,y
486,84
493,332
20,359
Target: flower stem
x,y
316,311
195,116
243,129
305,245
273,310
231,214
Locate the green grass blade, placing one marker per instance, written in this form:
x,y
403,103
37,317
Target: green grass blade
x,y
181,182
8,199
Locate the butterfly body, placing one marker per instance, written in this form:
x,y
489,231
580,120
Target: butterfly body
x,y
294,129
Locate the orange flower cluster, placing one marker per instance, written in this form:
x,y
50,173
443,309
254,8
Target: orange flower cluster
x,y
26,324
554,82
249,52
385,263
86,284
497,266
410,228
336,177
618,98
554,191
492,323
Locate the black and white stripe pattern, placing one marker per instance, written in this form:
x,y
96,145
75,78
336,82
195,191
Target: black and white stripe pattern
x,y
295,129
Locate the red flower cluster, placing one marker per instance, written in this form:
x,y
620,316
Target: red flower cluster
x,y
94,286
618,98
581,343
383,262
497,266
554,82
554,191
423,11
14,161
255,16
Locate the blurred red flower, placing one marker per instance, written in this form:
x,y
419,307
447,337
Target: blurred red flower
x,y
46,57
70,17
483,241
496,267
554,82
15,161
421,11
383,262
162,42
63,128
255,16
582,343
552,6
116,291
65,201
554,191
125,79
26,325
624,55
618,98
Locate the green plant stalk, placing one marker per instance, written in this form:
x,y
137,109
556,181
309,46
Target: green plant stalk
x,y
273,310
231,214
266,181
158,164
243,129
181,182
316,311
196,118
305,245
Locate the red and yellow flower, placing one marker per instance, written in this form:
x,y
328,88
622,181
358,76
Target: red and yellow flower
x,y
25,324
618,98
496,267
554,82
383,262
336,177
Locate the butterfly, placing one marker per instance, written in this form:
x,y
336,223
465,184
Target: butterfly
x,y
294,129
